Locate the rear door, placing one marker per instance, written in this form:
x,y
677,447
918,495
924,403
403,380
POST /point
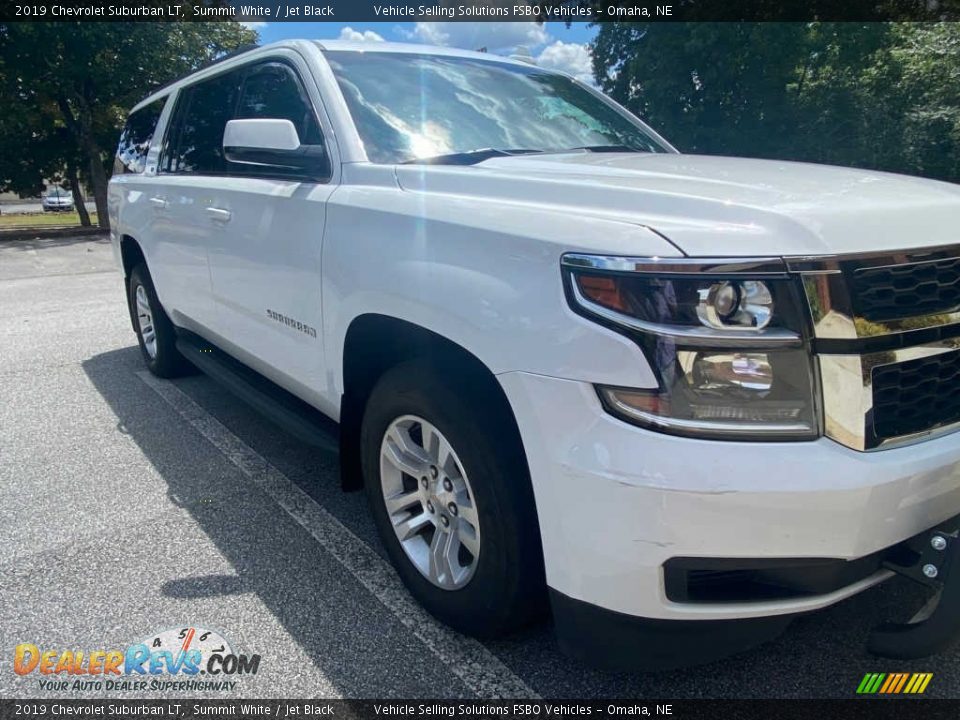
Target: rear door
x,y
266,229
132,186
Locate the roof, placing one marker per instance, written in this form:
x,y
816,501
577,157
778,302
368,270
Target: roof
x,y
411,48
239,56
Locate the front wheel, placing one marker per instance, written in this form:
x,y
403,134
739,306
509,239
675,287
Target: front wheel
x,y
451,497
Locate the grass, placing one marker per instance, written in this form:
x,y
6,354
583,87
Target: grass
x,y
43,220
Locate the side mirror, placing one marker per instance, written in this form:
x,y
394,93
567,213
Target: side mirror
x,y
272,144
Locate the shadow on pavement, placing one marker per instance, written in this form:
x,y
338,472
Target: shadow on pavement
x,y
354,642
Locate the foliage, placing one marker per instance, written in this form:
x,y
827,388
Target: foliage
x,y
876,95
65,89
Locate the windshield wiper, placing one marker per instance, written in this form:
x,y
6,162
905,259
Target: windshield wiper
x,y
470,157
605,148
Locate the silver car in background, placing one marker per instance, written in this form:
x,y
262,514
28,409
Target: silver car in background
x,y
57,199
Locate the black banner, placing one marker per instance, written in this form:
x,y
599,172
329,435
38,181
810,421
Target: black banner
x,y
480,10
893,709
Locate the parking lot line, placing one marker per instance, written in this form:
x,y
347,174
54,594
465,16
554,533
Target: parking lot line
x,y
465,657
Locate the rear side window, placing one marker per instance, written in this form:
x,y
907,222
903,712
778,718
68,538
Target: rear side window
x,y
195,144
136,138
273,90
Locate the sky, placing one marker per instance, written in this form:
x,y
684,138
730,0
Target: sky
x,y
553,45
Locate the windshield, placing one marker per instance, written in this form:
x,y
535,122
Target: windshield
x,y
407,106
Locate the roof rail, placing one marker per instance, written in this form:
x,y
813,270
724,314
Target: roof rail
x,y
210,63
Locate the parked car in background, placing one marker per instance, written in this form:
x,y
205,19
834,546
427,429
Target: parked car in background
x,y
684,398
57,199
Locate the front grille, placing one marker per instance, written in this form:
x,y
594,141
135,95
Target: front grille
x,y
901,291
916,395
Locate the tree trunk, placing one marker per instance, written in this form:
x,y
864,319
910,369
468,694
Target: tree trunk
x,y
98,178
81,126
78,200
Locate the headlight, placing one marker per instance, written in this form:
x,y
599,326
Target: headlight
x,y
725,341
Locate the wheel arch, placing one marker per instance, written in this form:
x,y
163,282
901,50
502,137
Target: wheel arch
x,y
375,343
131,255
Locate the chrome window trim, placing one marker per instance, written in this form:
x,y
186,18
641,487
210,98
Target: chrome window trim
x,y
691,336
847,409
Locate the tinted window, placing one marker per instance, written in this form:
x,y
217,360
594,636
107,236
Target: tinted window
x,y
196,141
274,91
409,106
135,138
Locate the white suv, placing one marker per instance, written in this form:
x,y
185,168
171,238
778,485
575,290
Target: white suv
x,y
683,398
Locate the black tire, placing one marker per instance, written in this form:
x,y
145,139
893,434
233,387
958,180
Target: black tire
x,y
507,588
166,361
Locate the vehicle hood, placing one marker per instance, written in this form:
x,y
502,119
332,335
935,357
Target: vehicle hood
x,y
718,206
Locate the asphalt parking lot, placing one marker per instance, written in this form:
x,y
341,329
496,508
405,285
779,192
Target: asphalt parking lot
x,y
132,505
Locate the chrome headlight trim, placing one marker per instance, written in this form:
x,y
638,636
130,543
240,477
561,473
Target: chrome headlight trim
x,y
662,330
693,336
706,429
846,347
767,267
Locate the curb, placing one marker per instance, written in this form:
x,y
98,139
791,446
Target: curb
x,y
27,233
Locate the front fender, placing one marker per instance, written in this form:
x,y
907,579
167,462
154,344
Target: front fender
x,y
480,273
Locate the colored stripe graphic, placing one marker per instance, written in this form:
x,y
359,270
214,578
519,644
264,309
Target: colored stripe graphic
x,y
903,681
894,683
891,680
870,683
918,683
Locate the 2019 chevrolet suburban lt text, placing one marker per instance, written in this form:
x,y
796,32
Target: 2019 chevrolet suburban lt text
x,y
675,399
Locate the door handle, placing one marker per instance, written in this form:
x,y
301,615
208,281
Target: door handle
x,y
219,214
159,203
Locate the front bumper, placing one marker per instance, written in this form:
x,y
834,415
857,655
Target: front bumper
x,y
616,502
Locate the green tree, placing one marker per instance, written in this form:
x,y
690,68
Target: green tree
x,y
876,95
926,66
73,83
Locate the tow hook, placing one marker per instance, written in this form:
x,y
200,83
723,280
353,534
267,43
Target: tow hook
x,y
929,559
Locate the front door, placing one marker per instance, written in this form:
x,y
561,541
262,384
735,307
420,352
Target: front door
x,y
266,235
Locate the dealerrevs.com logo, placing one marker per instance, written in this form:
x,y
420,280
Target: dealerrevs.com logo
x,y
185,659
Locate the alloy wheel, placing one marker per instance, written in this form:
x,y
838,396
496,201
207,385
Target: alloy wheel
x,y
145,320
429,502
